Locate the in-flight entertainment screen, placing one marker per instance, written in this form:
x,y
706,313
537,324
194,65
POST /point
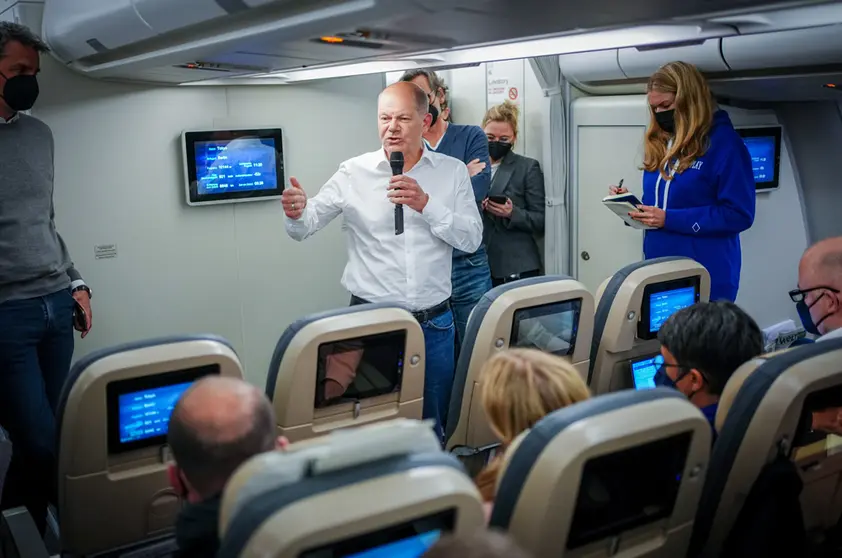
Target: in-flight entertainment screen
x,y
662,300
643,371
139,408
233,165
410,539
764,147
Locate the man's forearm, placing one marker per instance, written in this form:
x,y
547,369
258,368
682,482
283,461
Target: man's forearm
x,y
76,279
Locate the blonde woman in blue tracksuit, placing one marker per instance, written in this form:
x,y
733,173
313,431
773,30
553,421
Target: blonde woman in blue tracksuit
x,y
698,185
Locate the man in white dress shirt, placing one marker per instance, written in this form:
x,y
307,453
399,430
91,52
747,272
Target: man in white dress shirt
x,y
412,269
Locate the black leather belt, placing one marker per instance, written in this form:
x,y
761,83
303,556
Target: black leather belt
x,y
421,315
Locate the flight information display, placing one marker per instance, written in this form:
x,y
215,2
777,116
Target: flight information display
x,y
762,151
664,304
643,371
146,414
241,165
228,166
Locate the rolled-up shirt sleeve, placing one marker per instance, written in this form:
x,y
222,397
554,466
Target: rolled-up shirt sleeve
x,y
460,225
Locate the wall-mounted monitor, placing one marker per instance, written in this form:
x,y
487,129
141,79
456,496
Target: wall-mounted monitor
x,y
230,166
764,146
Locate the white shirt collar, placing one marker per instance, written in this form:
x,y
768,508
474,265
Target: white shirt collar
x,y
835,334
14,118
425,156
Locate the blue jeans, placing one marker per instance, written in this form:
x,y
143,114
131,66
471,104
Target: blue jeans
x,y
36,347
440,347
471,278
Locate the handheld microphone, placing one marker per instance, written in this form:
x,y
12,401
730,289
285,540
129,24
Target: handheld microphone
x,y
396,161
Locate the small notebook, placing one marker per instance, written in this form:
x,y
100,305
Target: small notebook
x,y
622,205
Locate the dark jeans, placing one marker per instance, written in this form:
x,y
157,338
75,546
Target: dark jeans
x,y
36,346
471,278
439,347
497,281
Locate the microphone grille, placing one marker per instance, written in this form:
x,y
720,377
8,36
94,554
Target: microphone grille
x,y
396,157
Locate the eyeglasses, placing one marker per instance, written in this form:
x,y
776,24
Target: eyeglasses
x,y
797,295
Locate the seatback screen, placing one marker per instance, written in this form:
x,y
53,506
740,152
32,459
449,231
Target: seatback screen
x,y
643,371
764,148
662,300
359,368
139,408
628,489
551,328
405,540
233,165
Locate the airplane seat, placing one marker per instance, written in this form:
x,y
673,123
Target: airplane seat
x,y
632,306
384,489
619,474
347,367
773,451
553,313
112,421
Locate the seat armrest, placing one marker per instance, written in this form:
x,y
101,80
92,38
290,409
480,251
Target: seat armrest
x,y
19,537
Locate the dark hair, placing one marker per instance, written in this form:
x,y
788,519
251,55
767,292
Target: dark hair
x,y
715,338
208,463
436,83
16,32
481,544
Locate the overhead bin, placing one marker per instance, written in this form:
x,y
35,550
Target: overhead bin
x,y
643,62
784,49
601,65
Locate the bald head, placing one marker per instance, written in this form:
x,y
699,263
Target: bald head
x,y
409,92
218,424
820,278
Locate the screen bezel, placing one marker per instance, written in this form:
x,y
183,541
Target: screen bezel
x,y
115,389
766,131
637,360
319,402
189,139
643,332
445,521
544,310
683,442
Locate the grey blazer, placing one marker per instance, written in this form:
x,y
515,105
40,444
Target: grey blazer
x,y
511,242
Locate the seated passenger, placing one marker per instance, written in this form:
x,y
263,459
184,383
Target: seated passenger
x,y
482,544
819,284
519,388
217,425
702,346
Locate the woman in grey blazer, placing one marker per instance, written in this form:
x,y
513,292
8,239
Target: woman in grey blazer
x,y
513,215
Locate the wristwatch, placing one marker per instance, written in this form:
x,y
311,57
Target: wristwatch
x,y
83,288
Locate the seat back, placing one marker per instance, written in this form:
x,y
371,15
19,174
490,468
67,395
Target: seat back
x,y
776,406
5,456
347,367
632,306
551,313
385,488
113,417
617,474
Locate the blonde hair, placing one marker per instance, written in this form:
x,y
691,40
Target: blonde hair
x,y
519,387
694,109
507,112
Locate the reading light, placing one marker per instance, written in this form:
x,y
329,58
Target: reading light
x,y
332,40
830,86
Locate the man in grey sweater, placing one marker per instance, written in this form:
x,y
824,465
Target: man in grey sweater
x,y
39,289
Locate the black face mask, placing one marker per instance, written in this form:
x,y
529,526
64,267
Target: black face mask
x,y
434,112
807,319
20,92
498,149
666,120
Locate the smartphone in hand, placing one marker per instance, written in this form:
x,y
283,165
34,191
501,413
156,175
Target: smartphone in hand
x,y
499,199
